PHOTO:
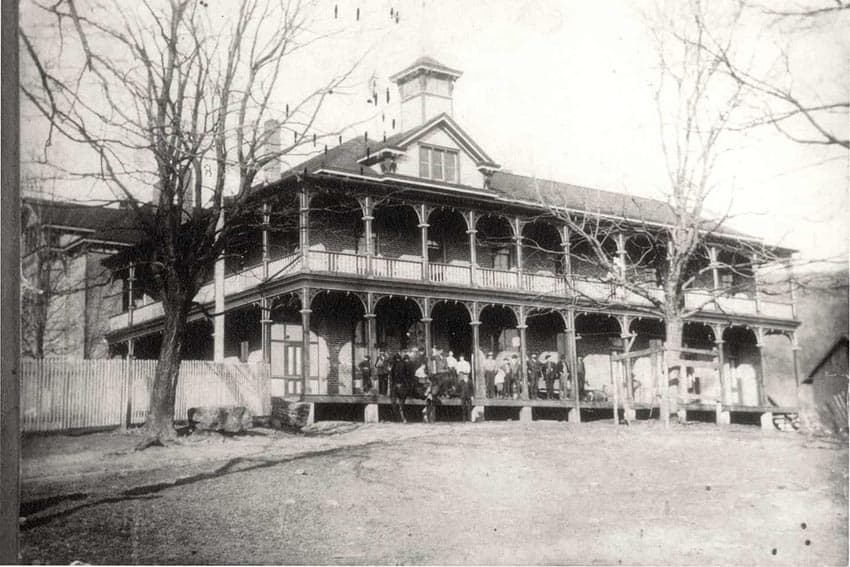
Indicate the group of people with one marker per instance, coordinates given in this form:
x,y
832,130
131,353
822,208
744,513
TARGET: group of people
x,y
502,378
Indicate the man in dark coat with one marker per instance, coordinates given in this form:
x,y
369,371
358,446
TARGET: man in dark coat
x,y
466,398
382,367
365,367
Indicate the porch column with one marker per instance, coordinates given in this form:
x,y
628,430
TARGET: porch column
x,y
371,331
426,322
572,360
760,369
473,253
792,293
131,307
795,348
305,339
565,244
367,227
518,244
715,275
478,381
218,318
265,311
265,329
621,260
756,291
304,227
423,231
523,353
721,362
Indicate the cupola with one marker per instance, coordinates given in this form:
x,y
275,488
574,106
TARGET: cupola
x,y
425,89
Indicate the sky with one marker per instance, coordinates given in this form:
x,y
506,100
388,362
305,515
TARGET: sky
x,y
564,91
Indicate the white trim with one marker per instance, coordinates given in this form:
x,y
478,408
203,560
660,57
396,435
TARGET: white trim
x,y
469,145
457,188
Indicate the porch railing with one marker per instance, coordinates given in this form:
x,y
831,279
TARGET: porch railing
x,y
488,278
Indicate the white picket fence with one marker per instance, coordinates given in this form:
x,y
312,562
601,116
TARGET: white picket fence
x,y
59,394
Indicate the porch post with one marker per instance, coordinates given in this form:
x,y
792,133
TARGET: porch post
x,y
518,244
131,307
760,369
795,348
621,259
523,354
423,231
265,311
478,382
305,340
565,244
721,360
304,227
218,318
473,252
715,275
756,291
572,361
367,223
426,322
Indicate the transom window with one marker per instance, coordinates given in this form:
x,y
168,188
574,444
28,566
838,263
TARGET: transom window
x,y
437,163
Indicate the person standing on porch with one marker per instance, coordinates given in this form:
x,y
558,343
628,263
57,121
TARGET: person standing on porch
x,y
463,368
451,363
490,366
365,367
382,366
514,384
438,361
465,392
550,370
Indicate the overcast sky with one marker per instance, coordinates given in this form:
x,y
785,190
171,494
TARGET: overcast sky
x,y
564,90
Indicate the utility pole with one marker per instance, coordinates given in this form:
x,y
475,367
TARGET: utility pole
x,y
10,289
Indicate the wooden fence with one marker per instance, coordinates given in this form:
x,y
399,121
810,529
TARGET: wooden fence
x,y
59,394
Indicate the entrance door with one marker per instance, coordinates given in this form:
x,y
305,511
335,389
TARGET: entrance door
x,y
286,359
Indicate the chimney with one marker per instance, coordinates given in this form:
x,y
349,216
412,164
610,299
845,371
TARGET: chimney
x,y
425,89
271,142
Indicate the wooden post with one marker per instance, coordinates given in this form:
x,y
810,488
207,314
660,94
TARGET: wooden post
x,y
616,383
572,358
762,393
305,340
304,227
473,252
518,241
367,223
523,355
423,232
218,318
478,382
10,289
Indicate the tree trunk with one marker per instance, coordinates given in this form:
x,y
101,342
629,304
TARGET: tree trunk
x,y
160,420
673,341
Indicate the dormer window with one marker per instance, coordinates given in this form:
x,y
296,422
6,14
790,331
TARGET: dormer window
x,y
438,163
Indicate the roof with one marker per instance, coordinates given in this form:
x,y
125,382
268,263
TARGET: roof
x,y
505,186
841,341
427,64
96,222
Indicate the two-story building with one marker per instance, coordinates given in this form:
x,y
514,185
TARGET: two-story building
x,y
421,239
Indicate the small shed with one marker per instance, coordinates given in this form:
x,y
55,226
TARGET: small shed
x,y
823,394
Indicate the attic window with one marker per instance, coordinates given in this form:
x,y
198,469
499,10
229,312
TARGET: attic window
x,y
437,163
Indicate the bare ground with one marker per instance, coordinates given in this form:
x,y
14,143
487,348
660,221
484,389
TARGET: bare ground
x,y
491,493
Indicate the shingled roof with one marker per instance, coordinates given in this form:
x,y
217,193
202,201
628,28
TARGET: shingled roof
x,y
507,187
96,222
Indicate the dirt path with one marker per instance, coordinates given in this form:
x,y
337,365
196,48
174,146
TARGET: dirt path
x,y
498,493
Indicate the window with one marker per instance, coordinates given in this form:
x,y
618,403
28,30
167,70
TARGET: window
x,y
438,164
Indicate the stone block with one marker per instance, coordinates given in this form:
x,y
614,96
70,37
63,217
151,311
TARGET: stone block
x,y
682,415
291,415
225,419
573,415
724,418
629,414
477,414
370,413
767,421
525,414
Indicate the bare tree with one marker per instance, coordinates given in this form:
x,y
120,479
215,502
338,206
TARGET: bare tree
x,y
804,115
170,96
651,254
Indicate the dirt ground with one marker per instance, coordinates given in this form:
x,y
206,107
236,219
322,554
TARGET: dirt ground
x,y
488,493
